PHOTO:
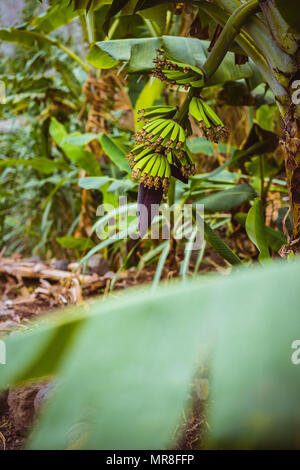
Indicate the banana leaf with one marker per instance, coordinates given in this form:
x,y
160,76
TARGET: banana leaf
x,y
60,13
25,38
124,367
227,199
81,157
106,54
139,53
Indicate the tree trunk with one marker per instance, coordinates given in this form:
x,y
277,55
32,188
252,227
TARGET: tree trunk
x,y
291,149
285,70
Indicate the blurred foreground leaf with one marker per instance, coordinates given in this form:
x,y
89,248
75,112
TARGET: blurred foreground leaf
x,y
124,366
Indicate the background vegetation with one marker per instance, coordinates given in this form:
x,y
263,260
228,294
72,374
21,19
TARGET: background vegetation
x,y
76,77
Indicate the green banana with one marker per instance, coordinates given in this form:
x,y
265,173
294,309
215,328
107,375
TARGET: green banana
x,y
177,75
158,108
154,170
214,118
152,124
203,114
157,178
170,158
167,130
197,83
181,64
156,130
162,167
146,170
137,148
142,155
150,113
140,165
174,135
181,136
168,171
180,73
184,81
194,110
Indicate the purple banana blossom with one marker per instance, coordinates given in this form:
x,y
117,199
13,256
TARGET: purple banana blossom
x,y
149,199
177,174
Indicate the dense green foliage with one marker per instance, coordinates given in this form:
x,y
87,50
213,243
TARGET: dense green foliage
x,y
122,367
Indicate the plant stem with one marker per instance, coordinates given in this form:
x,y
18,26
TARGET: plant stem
x,y
247,43
169,20
113,28
171,192
151,28
230,32
184,108
90,26
262,183
72,55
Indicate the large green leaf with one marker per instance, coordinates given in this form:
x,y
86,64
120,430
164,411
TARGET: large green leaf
x,y
116,6
142,55
115,153
41,164
228,199
141,52
39,352
220,246
28,84
82,158
254,383
94,182
156,14
25,38
124,366
106,54
275,238
60,13
151,92
255,227
195,52
75,243
81,139
201,145
100,59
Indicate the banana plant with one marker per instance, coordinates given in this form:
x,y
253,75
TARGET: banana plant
x,y
264,31
161,151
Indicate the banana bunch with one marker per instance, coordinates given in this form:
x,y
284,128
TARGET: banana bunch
x,y
156,112
161,135
175,72
154,168
160,147
212,126
183,160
